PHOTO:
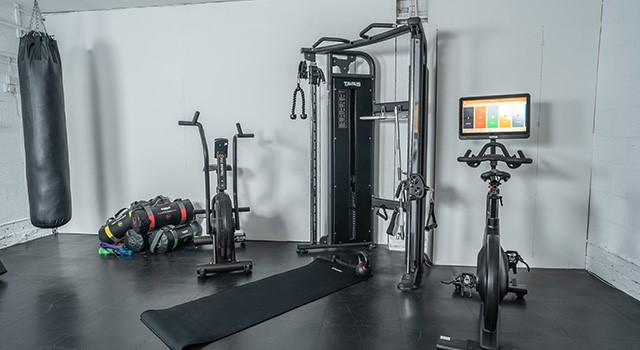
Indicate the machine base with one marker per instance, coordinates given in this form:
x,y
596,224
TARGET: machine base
x,y
411,281
304,248
448,343
210,268
520,290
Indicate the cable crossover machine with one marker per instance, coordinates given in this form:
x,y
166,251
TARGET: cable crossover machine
x,y
353,111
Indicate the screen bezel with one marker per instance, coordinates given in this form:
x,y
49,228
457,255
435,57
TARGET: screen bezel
x,y
490,135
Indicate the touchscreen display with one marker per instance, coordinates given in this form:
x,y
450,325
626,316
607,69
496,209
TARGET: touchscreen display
x,y
500,116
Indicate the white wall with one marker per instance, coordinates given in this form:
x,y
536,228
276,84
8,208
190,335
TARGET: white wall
x,y
15,226
548,49
613,251
131,74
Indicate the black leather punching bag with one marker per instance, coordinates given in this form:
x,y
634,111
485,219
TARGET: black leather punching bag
x,y
45,133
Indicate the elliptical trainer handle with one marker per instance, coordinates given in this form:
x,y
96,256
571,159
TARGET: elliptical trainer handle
x,y
242,134
191,122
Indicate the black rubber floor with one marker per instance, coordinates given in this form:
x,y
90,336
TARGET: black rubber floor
x,y
59,294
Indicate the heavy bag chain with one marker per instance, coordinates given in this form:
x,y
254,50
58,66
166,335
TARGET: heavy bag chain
x,y
37,15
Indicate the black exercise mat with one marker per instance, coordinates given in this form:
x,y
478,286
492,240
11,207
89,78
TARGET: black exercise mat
x,y
216,316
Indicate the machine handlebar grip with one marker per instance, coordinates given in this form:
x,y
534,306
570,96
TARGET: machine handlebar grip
x,y
375,25
191,122
470,159
329,38
242,134
512,162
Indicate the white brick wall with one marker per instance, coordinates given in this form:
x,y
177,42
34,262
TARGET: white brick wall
x,y
14,208
613,245
620,272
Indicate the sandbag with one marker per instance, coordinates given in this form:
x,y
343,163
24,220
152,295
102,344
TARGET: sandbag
x,y
136,242
45,133
172,237
166,239
114,230
150,218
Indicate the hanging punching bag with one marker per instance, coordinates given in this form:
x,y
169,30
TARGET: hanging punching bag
x,y
44,126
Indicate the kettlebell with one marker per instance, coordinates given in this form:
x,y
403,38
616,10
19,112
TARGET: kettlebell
x,y
363,270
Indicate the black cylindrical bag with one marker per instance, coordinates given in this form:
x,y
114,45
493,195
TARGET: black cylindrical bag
x,y
45,133
152,218
136,242
116,227
114,230
171,237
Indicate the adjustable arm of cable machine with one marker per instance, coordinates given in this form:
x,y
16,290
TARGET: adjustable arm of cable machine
x,y
346,45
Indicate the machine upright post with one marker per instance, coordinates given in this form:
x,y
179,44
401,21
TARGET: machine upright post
x,y
415,217
313,220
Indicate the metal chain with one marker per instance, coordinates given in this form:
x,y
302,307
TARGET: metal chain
x,y
37,15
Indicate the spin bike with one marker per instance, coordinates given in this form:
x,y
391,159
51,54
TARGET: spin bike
x,y
222,217
493,262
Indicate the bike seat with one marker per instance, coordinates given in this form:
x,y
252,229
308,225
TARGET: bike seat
x,y
498,174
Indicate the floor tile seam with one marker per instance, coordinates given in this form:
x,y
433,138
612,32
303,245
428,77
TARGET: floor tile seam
x,y
625,317
565,335
542,302
617,305
436,324
635,340
550,316
360,325
573,335
405,338
316,341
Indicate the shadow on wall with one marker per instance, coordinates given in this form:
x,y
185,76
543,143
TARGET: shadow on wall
x,y
106,130
266,192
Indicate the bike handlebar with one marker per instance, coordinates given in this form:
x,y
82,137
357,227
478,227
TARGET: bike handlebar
x,y
242,134
512,161
191,122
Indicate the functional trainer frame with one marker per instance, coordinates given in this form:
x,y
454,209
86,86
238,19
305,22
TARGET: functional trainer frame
x,y
412,206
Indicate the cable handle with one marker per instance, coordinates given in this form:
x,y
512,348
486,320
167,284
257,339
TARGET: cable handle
x,y
303,73
293,115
